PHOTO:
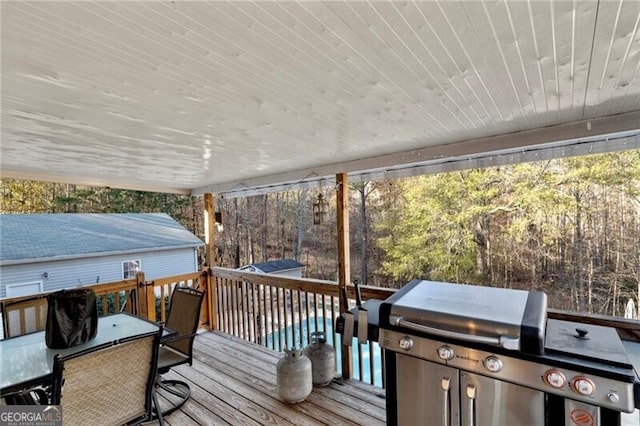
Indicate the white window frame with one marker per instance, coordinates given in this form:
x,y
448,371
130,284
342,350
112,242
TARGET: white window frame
x,y
126,262
24,284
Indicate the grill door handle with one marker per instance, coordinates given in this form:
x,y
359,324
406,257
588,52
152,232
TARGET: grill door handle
x,y
505,342
471,395
446,404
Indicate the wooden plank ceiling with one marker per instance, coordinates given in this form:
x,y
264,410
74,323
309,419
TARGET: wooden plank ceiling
x,y
225,96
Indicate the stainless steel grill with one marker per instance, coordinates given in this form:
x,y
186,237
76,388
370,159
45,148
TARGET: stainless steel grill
x,y
470,355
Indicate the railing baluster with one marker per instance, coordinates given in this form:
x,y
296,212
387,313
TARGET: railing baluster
x,y
285,315
236,308
222,301
372,367
279,321
294,324
265,314
23,320
333,321
230,309
250,313
105,304
228,287
272,320
242,323
307,307
300,321
360,363
315,311
217,287
324,316
163,313
255,315
116,301
247,310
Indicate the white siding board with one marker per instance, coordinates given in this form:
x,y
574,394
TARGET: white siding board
x,y
390,76
462,44
630,70
534,47
408,48
619,39
422,43
76,272
485,61
443,50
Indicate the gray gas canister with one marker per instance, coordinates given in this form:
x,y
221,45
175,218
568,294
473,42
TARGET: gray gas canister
x,y
294,376
323,359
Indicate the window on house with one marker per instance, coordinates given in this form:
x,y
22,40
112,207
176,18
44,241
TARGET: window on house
x,y
130,268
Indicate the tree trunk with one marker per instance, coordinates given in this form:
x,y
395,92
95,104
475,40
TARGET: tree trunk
x,y
578,254
236,247
265,229
364,272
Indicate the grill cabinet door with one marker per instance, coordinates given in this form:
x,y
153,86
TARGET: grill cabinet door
x,y
428,393
488,402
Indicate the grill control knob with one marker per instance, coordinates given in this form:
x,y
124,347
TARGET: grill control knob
x,y
613,397
583,386
445,353
555,379
493,364
406,343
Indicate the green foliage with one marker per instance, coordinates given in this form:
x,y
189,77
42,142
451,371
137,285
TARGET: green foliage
x,y
111,302
562,226
43,197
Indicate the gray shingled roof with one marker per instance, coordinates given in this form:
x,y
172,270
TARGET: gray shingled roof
x,y
277,265
38,236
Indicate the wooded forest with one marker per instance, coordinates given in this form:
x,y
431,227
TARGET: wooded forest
x,y
569,227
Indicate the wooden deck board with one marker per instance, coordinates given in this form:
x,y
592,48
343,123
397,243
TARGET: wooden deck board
x,y
234,382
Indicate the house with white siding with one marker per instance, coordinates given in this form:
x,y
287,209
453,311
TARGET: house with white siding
x,y
45,252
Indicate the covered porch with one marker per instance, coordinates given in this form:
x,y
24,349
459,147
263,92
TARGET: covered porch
x,y
242,98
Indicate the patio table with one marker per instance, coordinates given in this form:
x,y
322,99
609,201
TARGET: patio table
x,y
26,361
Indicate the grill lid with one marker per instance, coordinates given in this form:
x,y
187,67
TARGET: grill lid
x,y
586,341
512,319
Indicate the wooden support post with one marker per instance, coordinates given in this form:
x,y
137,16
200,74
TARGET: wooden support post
x,y
146,298
209,230
344,263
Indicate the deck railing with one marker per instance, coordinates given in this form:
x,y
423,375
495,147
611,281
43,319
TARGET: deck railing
x,y
282,312
274,311
136,296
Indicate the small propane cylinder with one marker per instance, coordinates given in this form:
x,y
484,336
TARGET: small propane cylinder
x,y
294,376
323,359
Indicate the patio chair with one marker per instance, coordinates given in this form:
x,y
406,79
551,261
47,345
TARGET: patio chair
x,y
111,384
177,349
23,316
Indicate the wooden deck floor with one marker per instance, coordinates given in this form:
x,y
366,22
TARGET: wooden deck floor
x,y
234,382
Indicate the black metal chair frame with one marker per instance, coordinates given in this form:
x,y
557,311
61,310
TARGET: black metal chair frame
x,y
169,356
